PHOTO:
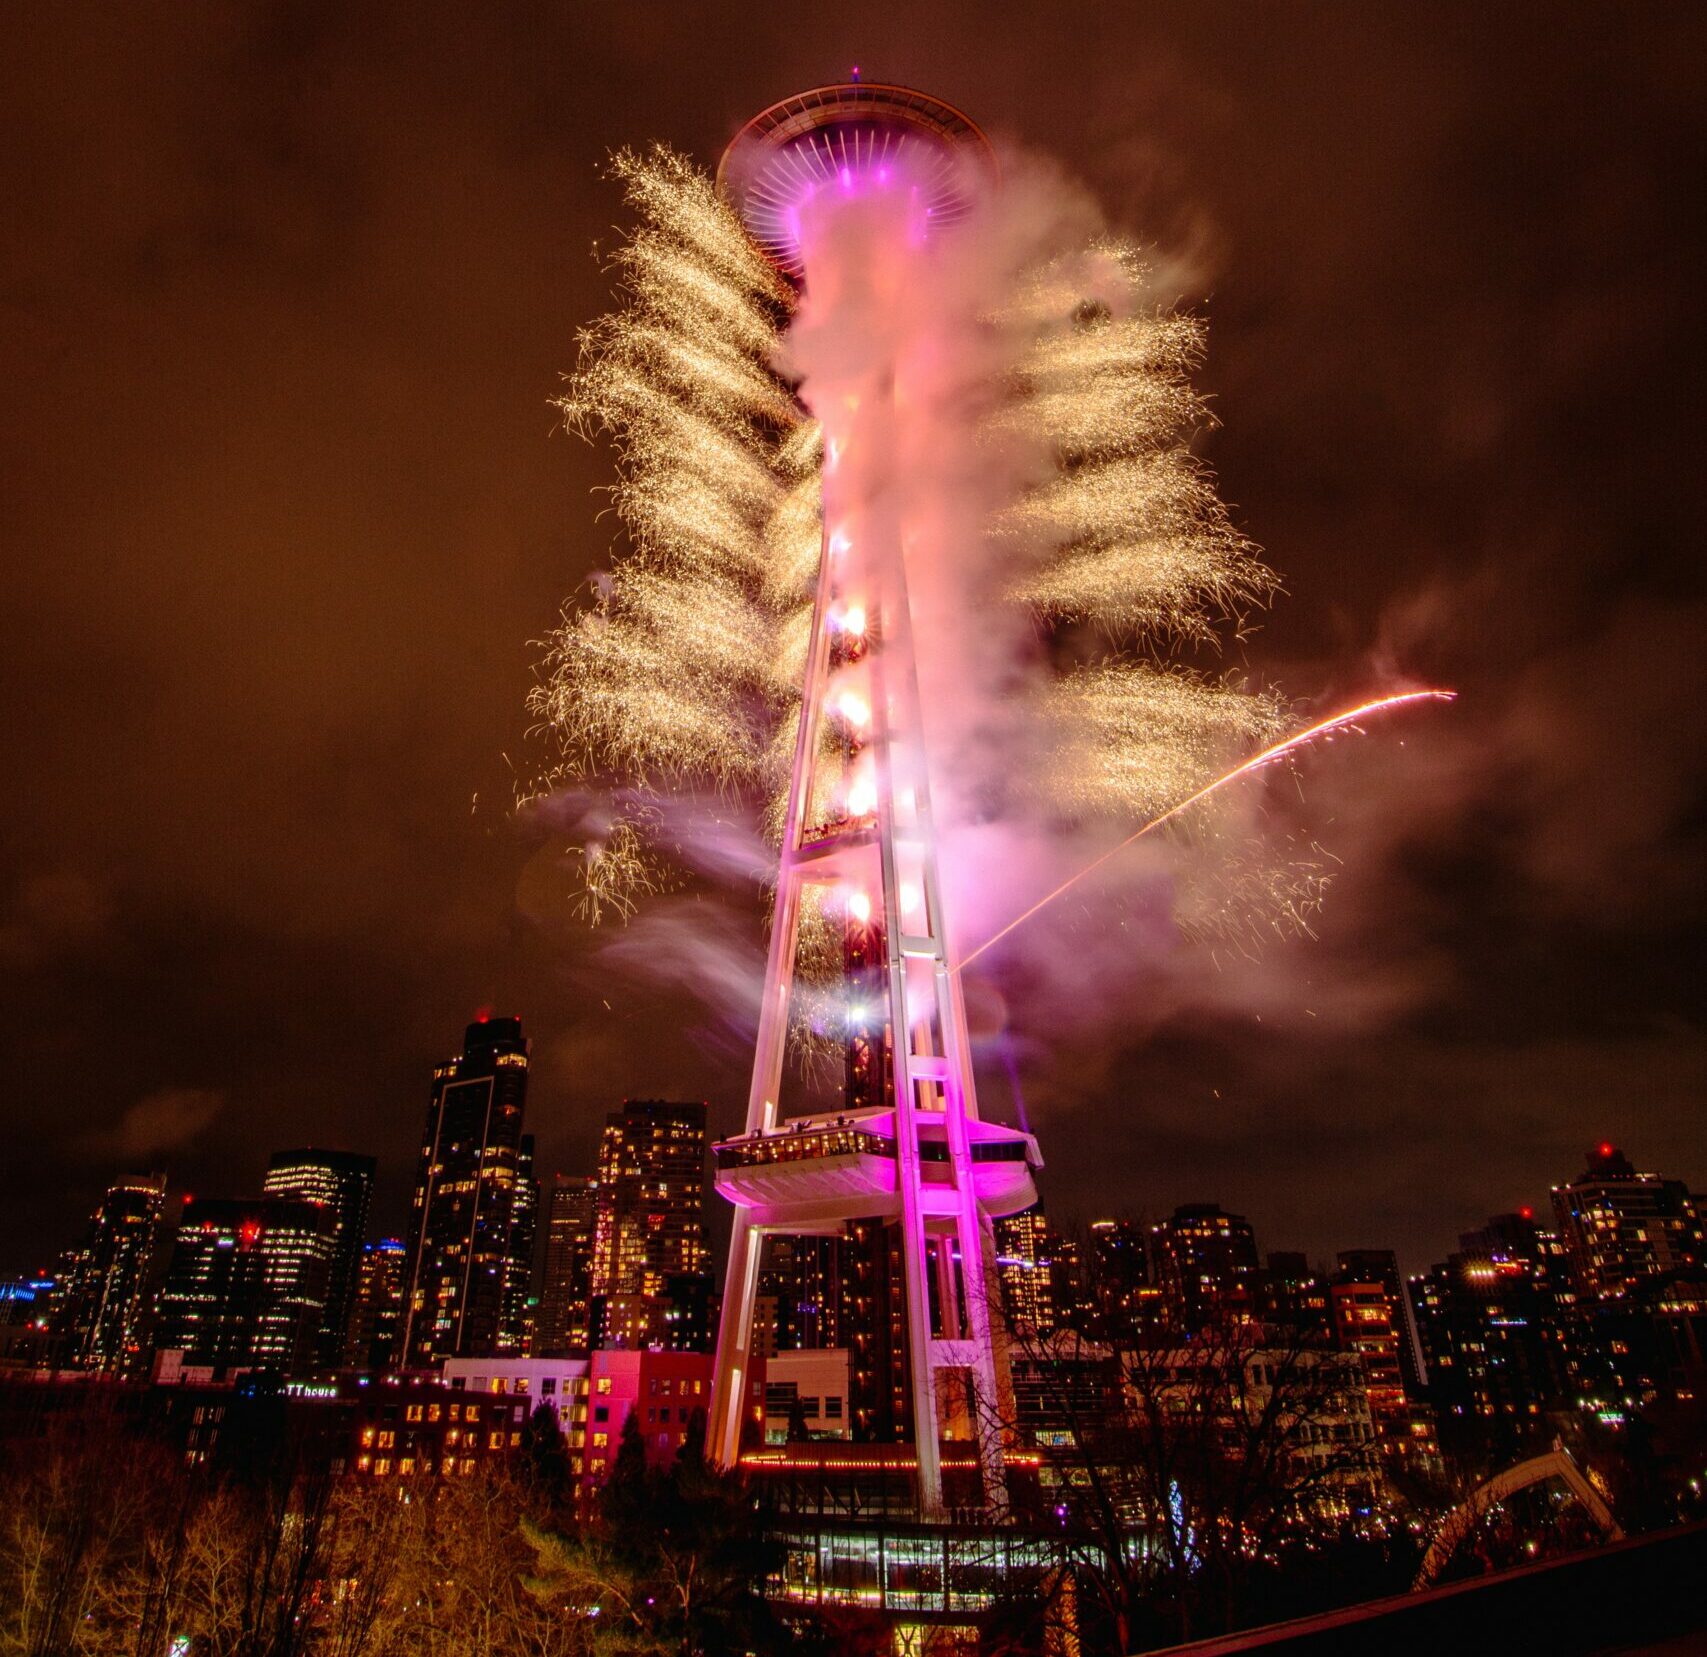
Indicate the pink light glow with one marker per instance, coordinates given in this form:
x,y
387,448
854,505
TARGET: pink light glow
x,y
862,795
853,708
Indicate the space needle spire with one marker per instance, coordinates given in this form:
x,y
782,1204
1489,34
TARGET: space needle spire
x,y
906,1159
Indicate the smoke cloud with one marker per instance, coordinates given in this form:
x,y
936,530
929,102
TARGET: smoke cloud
x,y
937,325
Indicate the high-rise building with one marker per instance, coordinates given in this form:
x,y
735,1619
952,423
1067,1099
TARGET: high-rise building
x,y
1206,1265
341,1183
872,1316
374,1340
1121,1299
1382,1266
470,1235
106,1300
1370,1318
1364,1323
520,1302
800,1300
1069,1279
246,1284
649,1256
563,1322
1291,1296
1621,1227
1493,1321
1024,1269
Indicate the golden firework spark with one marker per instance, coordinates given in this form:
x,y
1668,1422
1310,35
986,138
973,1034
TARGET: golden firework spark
x,y
618,870
1137,739
678,675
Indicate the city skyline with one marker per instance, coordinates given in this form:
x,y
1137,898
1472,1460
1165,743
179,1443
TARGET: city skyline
x,y
1666,1196
1518,1324
38,1254
245,900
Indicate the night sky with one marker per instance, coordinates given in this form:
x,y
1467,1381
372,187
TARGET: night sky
x,y
286,292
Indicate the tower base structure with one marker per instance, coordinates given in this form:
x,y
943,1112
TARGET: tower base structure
x,y
833,1175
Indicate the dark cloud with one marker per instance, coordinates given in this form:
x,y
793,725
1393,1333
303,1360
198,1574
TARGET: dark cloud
x,y
285,296
164,1123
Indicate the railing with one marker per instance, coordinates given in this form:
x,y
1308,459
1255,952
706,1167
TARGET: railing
x,y
811,1145
814,1144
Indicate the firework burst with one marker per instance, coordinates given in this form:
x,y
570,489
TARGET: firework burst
x,y
683,677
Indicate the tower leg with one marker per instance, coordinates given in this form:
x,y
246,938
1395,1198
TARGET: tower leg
x,y
921,1372
734,1343
991,1405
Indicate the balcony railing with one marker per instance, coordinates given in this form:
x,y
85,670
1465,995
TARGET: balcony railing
x,y
812,1145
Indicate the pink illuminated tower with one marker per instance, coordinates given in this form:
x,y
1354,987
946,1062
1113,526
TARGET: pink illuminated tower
x,y
905,1149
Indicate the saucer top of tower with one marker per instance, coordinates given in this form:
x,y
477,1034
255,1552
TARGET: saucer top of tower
x,y
849,137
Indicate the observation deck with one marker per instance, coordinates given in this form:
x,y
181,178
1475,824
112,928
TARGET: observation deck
x,y
815,1172
851,138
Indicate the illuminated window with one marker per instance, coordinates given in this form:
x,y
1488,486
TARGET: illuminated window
x,y
604,1384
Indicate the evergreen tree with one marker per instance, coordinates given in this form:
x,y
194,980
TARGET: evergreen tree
x,y
545,1460
674,1561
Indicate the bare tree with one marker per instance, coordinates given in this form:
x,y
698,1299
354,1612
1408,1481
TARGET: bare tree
x,y
1243,1433
1174,1469
75,1506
